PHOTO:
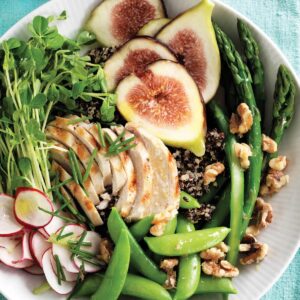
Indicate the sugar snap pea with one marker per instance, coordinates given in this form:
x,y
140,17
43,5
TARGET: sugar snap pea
x,y
189,266
115,275
140,229
170,227
134,286
209,284
138,258
187,201
187,243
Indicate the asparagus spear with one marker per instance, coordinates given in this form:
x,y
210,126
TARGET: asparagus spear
x,y
242,81
254,63
283,108
237,183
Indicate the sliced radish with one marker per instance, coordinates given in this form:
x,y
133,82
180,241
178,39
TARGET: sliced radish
x,y
69,276
12,255
55,224
28,205
8,224
38,246
64,287
26,253
93,238
43,232
63,252
34,270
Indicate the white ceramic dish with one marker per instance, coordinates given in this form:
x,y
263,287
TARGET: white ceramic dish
x,y
282,236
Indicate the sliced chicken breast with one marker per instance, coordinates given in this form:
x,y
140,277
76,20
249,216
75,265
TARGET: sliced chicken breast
x,y
70,141
77,192
128,192
79,131
67,196
118,174
60,155
165,196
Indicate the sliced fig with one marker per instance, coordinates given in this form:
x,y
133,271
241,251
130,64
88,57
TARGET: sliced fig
x,y
133,57
166,101
191,36
114,22
153,27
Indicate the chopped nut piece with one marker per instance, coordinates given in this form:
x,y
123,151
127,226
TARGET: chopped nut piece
x,y
264,213
247,242
244,247
221,269
223,247
242,122
170,282
168,265
279,163
252,230
213,254
243,151
257,254
105,250
212,171
276,180
268,145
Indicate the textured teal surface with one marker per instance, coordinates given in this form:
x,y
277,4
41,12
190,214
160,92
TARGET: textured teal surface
x,y
280,19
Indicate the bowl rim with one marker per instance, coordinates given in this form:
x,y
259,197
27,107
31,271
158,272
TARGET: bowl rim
x,y
260,32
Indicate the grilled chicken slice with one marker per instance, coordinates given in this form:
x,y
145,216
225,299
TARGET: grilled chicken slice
x,y
67,196
118,174
164,202
60,154
79,131
70,141
128,192
77,192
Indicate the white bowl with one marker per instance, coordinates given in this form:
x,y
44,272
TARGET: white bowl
x,y
282,236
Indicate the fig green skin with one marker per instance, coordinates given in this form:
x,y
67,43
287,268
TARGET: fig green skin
x,y
140,229
115,275
134,286
189,267
187,201
139,260
187,243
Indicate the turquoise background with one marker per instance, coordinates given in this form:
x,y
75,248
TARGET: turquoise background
x,y
280,19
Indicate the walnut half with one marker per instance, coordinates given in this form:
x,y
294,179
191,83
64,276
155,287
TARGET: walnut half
x,y
168,265
241,122
219,269
268,145
212,171
256,254
243,152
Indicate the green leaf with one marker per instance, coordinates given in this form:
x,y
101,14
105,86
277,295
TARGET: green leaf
x,y
40,25
19,181
107,111
38,101
55,42
78,88
8,105
53,93
85,38
13,43
24,164
62,16
34,130
25,93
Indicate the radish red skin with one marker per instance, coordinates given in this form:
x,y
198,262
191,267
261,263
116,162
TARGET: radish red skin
x,y
45,198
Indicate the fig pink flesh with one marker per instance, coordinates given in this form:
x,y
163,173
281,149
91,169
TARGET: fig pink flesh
x,y
160,100
129,16
189,50
136,62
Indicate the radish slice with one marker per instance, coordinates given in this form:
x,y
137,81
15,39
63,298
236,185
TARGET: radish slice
x,y
8,224
28,205
69,276
38,246
55,224
93,238
12,254
34,270
64,287
26,254
43,232
63,253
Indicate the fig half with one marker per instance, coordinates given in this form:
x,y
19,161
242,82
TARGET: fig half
x,y
166,101
116,21
192,38
133,57
153,27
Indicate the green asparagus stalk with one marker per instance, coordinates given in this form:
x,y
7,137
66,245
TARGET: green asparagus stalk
x,y
254,63
243,83
283,108
237,183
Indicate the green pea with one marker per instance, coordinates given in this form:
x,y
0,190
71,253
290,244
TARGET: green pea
x,y
187,243
189,267
140,229
187,201
140,261
115,275
209,284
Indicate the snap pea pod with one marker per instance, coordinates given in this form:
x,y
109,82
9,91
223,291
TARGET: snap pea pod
x,y
140,229
213,190
209,284
222,210
189,267
140,261
116,272
134,286
171,226
237,183
187,201
187,243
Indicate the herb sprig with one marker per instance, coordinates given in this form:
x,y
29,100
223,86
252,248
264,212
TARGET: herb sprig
x,y
119,145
